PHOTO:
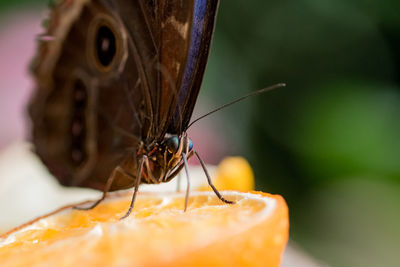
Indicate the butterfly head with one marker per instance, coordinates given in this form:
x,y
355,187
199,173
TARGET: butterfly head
x,y
175,144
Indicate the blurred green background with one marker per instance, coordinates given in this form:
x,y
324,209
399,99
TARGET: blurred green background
x,y
330,141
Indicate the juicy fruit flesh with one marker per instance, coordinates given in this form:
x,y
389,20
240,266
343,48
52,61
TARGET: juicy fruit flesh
x,y
157,231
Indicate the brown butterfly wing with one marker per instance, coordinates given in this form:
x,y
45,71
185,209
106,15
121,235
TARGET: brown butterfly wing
x,y
202,29
88,114
183,30
92,107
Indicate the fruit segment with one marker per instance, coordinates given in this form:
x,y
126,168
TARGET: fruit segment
x,y
252,232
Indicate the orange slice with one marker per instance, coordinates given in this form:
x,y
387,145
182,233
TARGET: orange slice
x,y
252,232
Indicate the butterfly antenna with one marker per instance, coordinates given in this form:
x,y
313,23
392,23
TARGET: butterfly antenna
x,y
261,91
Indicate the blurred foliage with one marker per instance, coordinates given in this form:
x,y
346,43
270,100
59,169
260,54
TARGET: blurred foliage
x,y
329,141
6,5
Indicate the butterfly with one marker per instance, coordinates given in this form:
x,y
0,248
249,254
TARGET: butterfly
x,y
116,84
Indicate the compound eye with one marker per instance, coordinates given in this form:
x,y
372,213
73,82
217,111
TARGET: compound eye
x,y
173,144
190,145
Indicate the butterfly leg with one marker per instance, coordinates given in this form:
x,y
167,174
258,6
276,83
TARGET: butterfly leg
x,y
178,183
105,191
185,162
210,182
177,169
150,174
138,180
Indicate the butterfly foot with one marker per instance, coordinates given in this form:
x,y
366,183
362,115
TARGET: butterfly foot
x,y
227,201
89,207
